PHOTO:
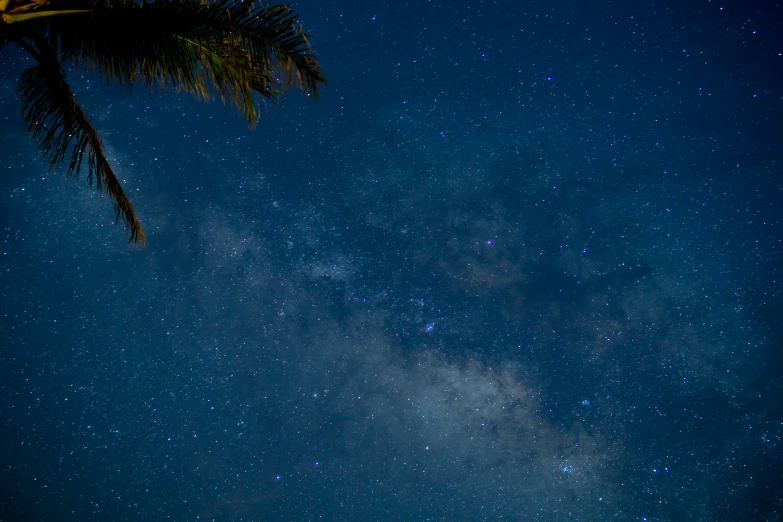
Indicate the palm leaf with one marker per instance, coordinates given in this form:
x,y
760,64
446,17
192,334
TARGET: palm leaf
x,y
55,119
226,48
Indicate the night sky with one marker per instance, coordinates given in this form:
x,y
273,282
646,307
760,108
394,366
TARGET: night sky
x,y
519,261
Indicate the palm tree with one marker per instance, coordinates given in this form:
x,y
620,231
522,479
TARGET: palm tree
x,y
225,48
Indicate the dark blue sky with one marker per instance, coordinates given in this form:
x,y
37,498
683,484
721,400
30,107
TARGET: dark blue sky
x,y
519,261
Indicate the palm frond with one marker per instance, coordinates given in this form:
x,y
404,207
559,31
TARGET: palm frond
x,y
226,48
55,119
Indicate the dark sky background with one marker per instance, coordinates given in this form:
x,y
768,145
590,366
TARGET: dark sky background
x,y
519,261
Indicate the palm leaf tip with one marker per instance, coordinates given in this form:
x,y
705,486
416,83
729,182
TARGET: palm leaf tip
x,y
55,119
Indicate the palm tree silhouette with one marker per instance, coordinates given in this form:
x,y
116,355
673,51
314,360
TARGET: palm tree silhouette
x,y
225,48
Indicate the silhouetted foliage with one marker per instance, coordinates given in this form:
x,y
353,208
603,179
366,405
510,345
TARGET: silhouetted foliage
x,y
223,48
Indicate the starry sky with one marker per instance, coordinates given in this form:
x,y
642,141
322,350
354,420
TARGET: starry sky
x,y
518,261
